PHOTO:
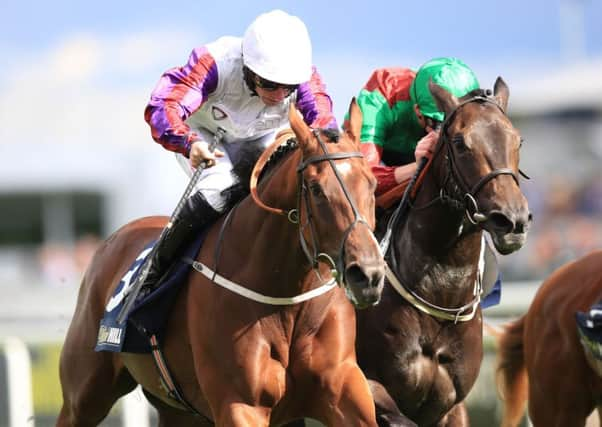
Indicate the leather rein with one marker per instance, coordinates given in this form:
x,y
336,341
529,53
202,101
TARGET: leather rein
x,y
469,204
310,249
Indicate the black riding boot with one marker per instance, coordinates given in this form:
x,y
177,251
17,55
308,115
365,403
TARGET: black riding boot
x,y
195,215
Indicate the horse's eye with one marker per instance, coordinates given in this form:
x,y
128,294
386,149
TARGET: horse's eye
x,y
316,189
458,141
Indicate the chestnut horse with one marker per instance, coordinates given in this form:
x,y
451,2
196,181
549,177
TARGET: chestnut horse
x,y
540,357
239,361
421,348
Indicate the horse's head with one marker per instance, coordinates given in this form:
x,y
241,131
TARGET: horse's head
x,y
482,150
336,205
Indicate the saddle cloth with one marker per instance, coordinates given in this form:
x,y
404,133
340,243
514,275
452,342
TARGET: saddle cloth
x,y
148,315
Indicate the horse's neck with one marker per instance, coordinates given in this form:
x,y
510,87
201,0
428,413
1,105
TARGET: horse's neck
x,y
437,252
267,244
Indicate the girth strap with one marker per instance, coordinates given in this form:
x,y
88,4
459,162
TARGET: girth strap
x,y
173,391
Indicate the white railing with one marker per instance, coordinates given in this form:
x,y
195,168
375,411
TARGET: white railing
x,y
135,410
18,375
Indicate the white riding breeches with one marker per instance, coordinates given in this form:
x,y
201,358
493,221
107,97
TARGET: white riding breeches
x,y
219,177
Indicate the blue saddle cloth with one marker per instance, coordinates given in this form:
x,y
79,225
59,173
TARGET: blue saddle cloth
x,y
491,278
495,295
589,326
148,315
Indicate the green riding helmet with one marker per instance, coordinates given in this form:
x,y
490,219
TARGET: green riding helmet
x,y
450,73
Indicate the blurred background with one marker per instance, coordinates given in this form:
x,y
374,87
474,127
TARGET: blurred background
x,y
77,160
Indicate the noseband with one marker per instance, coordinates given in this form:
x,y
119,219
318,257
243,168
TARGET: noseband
x,y
313,255
470,201
467,311
473,214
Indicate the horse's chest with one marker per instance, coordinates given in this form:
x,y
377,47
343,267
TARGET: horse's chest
x,y
434,358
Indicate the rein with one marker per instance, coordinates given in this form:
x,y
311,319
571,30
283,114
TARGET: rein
x,y
470,192
469,203
293,215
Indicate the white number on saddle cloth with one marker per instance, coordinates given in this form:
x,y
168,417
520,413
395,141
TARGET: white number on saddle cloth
x,y
126,281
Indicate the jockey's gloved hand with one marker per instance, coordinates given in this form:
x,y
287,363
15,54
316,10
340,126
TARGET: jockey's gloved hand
x,y
426,145
199,151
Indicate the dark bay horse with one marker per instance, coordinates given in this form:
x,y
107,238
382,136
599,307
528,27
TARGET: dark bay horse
x,y
421,348
540,357
238,361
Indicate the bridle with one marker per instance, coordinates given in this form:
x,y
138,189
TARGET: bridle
x,y
468,203
473,213
310,249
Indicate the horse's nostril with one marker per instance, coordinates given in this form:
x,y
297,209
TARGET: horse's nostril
x,y
501,222
355,274
365,276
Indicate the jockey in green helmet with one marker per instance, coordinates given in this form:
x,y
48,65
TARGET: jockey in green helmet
x,y
400,116
401,119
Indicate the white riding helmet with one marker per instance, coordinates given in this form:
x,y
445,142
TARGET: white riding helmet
x,y
276,47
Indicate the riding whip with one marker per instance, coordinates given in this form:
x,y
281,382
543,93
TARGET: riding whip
x,y
133,291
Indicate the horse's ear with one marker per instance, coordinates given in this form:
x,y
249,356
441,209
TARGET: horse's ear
x,y
302,131
501,93
445,100
353,126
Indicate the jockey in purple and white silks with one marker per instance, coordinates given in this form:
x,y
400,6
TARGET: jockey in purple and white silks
x,y
243,87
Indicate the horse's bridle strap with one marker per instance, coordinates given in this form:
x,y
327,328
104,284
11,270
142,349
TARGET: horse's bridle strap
x,y
256,296
328,156
484,180
433,310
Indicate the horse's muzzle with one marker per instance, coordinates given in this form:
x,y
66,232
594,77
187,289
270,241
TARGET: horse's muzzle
x,y
364,283
508,229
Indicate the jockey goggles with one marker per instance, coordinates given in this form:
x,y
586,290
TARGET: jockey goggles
x,y
271,86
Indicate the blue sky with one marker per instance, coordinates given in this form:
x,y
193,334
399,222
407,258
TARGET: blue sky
x,y
84,70
468,28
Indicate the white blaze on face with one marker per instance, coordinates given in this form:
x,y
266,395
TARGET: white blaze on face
x,y
344,168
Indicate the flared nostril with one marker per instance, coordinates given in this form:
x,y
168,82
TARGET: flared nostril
x,y
355,274
365,276
501,222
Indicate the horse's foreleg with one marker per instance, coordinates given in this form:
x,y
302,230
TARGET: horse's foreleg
x,y
456,417
234,413
345,398
388,413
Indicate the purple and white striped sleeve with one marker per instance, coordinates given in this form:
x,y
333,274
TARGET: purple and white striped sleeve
x,y
180,92
315,104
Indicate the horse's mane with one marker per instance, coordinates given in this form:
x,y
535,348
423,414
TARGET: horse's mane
x,y
249,154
